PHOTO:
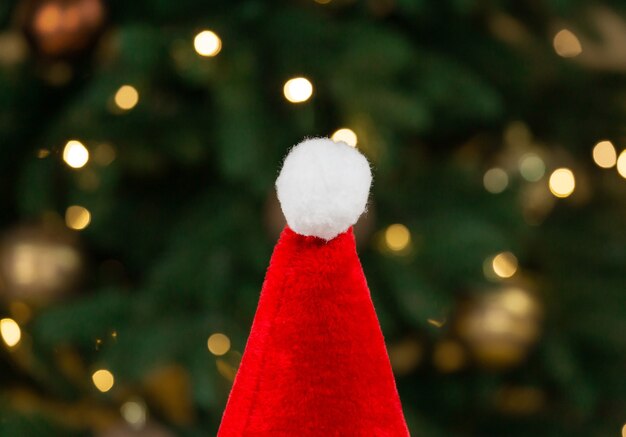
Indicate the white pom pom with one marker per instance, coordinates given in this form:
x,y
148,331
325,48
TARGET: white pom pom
x,y
323,187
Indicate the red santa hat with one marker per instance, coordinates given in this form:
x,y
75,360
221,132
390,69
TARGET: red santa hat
x,y
315,363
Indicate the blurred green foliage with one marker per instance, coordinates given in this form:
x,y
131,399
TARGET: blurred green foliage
x,y
429,87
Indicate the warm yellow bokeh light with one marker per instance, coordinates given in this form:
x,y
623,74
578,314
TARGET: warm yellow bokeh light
x,y
298,90
75,154
218,344
449,356
345,135
103,380
495,180
518,302
103,154
604,154
562,182
10,331
566,44
77,217
624,430
207,43
621,164
504,264
397,237
134,412
532,167
126,97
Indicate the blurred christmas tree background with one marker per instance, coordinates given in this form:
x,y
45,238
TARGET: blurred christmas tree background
x,y
140,141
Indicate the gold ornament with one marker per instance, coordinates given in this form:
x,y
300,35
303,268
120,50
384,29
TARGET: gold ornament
x,y
38,263
500,326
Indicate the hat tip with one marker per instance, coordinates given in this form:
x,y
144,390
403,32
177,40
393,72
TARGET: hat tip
x,y
323,187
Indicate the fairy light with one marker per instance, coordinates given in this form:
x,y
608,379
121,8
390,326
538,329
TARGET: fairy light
x,y
207,43
566,44
77,217
397,237
103,380
562,182
126,97
134,412
345,135
532,167
504,264
218,344
604,154
75,154
495,180
10,332
621,164
298,90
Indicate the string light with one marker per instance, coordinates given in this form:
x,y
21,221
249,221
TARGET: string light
x,y
562,182
126,97
10,331
218,344
207,43
77,217
532,167
504,264
75,154
104,154
604,154
298,90
103,380
345,135
495,180
518,302
621,164
397,237
134,412
566,44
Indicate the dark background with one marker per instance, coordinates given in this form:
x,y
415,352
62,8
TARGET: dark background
x,y
502,304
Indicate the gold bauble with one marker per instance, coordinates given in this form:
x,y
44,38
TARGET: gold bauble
x,y
38,263
499,326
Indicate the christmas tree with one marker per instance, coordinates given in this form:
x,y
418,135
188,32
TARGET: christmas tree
x,y
140,146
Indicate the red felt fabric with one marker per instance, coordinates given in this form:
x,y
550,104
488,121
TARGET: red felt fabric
x,y
315,363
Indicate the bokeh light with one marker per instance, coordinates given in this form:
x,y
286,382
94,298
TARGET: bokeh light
x,y
532,167
562,182
207,43
77,217
621,164
345,135
449,356
126,97
397,237
495,180
604,154
10,331
103,380
75,154
504,264
566,44
298,90
218,344
134,413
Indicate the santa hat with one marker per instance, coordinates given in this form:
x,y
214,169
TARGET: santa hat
x,y
315,363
